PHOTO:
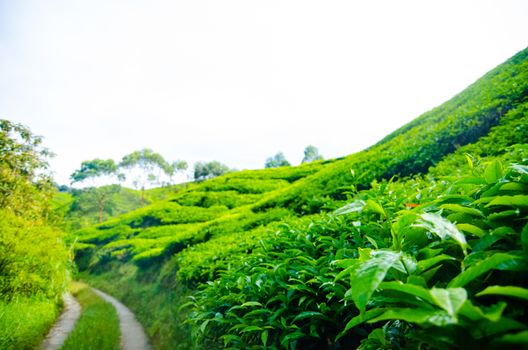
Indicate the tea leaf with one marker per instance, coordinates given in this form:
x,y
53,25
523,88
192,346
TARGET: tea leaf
x,y
511,291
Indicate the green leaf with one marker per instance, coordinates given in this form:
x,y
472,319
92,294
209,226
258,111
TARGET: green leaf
x,y
414,315
512,201
524,238
485,242
264,337
492,313
203,325
457,208
442,228
450,299
251,303
251,329
514,186
493,172
289,338
517,338
309,314
512,291
469,160
474,230
426,264
499,261
411,289
369,274
360,319
471,181
503,214
501,326
375,207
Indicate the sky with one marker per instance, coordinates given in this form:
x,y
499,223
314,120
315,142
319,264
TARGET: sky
x,y
239,80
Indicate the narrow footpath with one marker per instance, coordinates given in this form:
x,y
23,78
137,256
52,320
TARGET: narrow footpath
x,y
133,336
64,325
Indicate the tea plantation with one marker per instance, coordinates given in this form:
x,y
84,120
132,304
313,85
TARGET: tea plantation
x,y
419,242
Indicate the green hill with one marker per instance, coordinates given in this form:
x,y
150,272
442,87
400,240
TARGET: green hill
x,y
425,249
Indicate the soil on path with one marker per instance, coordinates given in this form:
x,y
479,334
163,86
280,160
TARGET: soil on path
x,y
133,336
64,325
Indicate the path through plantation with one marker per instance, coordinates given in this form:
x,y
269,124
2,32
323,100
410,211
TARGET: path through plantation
x,y
64,325
133,336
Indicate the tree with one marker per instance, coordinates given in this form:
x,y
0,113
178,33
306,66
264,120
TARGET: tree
x,y
276,161
208,170
91,171
25,185
311,153
175,167
146,166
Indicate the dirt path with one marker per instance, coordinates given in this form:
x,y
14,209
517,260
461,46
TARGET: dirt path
x,y
64,325
133,336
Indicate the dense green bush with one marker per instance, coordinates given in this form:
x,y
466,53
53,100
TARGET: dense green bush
x,y
164,213
205,199
382,276
32,258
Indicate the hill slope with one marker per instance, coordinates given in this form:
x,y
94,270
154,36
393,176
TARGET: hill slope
x,y
280,267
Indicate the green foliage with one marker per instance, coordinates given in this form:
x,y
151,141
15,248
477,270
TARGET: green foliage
x,y
146,166
25,185
276,161
394,264
207,199
79,209
25,321
94,168
97,197
208,170
243,185
33,259
98,326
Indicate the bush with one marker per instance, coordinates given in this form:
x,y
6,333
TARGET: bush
x,y
33,259
384,271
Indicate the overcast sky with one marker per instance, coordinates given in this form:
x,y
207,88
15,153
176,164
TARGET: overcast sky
x,y
237,81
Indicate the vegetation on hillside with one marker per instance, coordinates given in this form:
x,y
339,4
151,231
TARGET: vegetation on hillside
x,y
416,242
419,242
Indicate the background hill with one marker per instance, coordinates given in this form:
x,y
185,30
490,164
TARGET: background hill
x,y
429,231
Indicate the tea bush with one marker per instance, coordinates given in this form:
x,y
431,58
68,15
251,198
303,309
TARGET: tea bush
x,y
381,275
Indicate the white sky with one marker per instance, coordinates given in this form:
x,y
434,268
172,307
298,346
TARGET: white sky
x,y
237,81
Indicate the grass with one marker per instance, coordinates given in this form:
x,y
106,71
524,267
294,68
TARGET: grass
x,y
24,322
98,326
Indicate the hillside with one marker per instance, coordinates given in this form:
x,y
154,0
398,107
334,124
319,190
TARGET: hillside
x,y
390,247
